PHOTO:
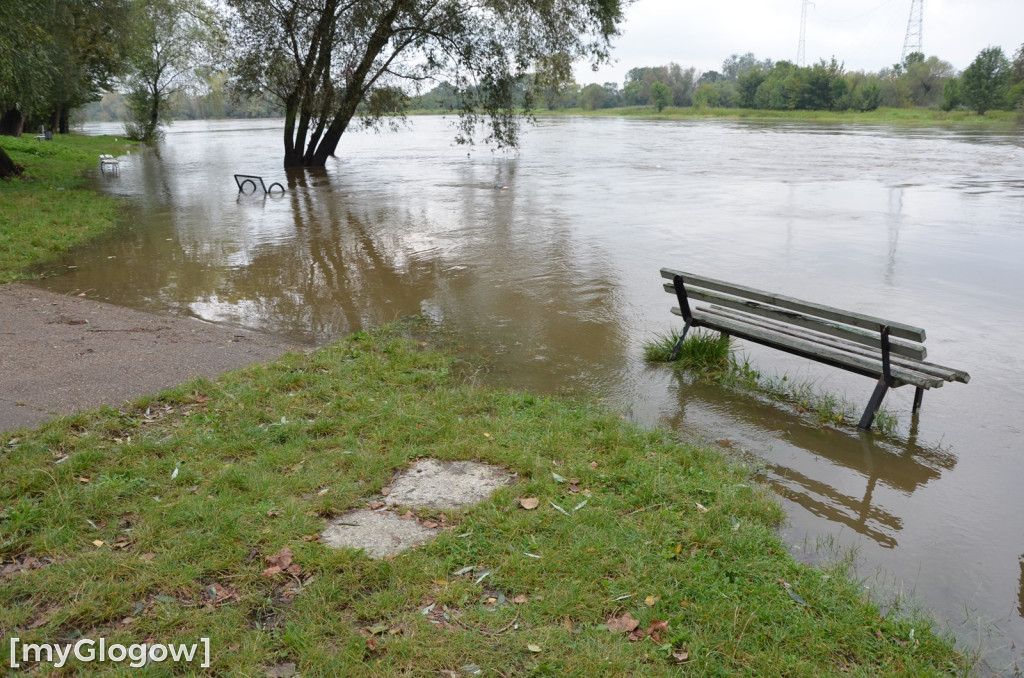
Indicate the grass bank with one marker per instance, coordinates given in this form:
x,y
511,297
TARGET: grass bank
x,y
881,116
154,521
50,209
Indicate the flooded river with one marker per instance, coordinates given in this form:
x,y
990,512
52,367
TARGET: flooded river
x,y
555,278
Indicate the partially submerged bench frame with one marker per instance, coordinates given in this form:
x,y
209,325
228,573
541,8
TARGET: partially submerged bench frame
x,y
244,180
891,352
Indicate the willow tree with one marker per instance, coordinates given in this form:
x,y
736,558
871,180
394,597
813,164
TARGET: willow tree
x,y
329,61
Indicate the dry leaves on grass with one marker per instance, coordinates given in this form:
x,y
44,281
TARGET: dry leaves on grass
x,y
623,624
626,624
22,564
529,503
281,562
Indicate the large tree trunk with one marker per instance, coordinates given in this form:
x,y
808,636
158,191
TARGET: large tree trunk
x,y
11,122
7,166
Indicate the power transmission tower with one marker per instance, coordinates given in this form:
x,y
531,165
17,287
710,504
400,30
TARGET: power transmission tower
x,y
915,30
801,50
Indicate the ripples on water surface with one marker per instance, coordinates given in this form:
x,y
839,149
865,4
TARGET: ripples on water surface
x,y
557,278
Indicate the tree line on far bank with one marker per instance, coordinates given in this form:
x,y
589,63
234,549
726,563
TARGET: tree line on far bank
x,y
327,66
991,82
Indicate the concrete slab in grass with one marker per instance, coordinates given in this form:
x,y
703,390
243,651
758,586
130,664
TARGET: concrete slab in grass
x,y
379,533
430,483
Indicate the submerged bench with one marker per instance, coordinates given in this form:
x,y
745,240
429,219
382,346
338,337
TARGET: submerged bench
x,y
891,352
246,180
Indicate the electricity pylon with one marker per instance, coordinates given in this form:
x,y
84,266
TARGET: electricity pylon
x,y
915,30
801,50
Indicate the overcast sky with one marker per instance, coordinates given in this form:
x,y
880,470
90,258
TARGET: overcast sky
x,y
865,34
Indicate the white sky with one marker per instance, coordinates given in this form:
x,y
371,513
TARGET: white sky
x,y
864,34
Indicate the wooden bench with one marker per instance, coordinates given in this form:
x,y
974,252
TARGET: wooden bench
x,y
891,352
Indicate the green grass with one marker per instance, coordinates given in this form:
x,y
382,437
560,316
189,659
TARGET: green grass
x,y
701,351
50,209
710,356
669,533
881,116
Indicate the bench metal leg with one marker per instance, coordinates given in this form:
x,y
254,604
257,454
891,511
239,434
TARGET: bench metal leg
x,y
918,396
881,388
679,341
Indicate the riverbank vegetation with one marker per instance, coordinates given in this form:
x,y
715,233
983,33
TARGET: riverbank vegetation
x,y
712,356
157,521
49,208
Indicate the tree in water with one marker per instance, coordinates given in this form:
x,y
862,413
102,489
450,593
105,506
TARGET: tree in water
x,y
176,42
324,59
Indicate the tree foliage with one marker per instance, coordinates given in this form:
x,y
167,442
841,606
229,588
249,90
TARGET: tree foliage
x,y
178,43
56,56
639,81
661,96
324,59
985,82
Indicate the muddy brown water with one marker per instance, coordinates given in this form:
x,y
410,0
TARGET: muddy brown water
x,y
548,261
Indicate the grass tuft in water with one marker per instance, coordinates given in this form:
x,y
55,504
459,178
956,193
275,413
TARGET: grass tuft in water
x,y
700,352
710,356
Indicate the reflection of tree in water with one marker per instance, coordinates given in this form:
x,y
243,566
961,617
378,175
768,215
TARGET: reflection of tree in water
x,y
1020,589
855,461
356,252
344,266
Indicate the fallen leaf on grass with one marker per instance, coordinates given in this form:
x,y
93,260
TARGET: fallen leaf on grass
x,y
529,503
97,543
656,629
279,562
623,624
558,478
649,601
533,648
796,597
681,655
558,508
520,599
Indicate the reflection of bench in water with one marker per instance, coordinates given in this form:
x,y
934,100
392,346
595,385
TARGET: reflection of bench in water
x,y
845,479
248,183
891,352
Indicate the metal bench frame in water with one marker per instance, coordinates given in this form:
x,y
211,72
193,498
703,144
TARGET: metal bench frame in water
x,y
244,180
891,352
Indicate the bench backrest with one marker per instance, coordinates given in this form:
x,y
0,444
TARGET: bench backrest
x,y
780,311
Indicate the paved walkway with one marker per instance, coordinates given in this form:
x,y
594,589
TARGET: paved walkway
x,y
60,354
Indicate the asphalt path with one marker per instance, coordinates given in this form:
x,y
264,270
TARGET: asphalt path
x,y
60,354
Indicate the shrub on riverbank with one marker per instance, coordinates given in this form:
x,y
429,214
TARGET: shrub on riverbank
x,y
642,556
49,209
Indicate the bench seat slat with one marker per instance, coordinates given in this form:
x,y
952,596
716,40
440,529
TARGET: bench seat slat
x,y
946,373
861,320
809,349
870,338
